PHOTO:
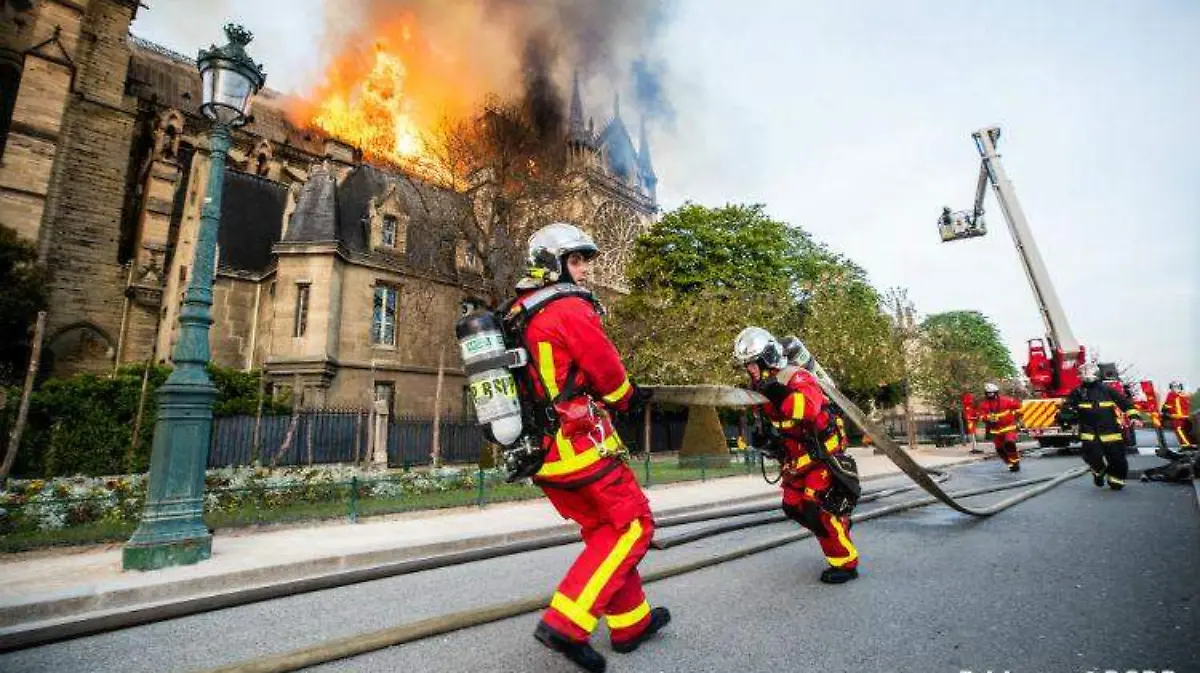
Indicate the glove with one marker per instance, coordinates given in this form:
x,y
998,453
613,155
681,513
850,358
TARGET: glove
x,y
768,442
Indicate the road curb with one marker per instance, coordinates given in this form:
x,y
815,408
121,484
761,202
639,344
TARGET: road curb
x,y
90,612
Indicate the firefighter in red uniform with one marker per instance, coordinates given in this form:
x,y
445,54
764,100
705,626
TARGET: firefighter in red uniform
x,y
803,435
1177,410
1000,413
578,378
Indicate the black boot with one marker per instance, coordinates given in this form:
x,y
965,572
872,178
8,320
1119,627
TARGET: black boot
x,y
659,617
834,575
1098,479
1015,467
583,654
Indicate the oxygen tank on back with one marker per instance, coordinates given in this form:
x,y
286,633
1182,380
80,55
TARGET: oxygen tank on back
x,y
493,389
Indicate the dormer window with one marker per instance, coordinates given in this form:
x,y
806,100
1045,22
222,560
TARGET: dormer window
x,y
388,233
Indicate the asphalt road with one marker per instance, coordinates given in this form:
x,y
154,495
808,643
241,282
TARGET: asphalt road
x,y
1078,579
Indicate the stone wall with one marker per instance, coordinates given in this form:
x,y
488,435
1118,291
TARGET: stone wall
x,y
80,229
235,313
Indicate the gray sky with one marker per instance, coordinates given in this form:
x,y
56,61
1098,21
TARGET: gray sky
x,y
855,123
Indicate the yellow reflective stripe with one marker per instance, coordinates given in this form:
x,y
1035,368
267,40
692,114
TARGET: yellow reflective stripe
x,y
566,450
573,612
1087,437
1114,480
1182,436
546,368
628,619
578,461
1114,437
797,405
802,461
608,567
1108,404
618,393
833,443
1007,428
841,533
783,425
1086,405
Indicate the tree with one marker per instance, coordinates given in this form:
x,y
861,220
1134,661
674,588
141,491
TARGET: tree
x,y
701,275
510,161
23,286
734,247
961,350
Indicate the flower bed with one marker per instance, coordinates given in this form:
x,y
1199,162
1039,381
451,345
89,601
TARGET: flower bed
x,y
65,502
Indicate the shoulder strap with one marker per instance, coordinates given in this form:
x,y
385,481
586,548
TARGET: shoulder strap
x,y
785,375
522,310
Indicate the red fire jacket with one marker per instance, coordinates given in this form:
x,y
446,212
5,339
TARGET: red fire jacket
x,y
570,352
799,413
1000,414
1177,407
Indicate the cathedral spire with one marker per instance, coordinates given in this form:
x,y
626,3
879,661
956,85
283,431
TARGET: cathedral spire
x,y
644,164
575,126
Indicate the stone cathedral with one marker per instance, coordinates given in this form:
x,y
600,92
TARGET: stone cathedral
x,y
339,279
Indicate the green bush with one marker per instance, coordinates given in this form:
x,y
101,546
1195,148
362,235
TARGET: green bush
x,y
84,424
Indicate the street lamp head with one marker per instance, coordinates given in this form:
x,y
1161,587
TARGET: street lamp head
x,y
229,78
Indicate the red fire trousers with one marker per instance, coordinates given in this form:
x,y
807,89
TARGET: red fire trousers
x,y
615,521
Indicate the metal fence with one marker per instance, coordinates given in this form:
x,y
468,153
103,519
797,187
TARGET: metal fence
x,y
325,436
314,437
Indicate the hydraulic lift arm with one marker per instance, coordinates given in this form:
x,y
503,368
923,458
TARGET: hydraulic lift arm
x,y
1058,330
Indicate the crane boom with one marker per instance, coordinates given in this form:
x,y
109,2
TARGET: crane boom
x,y
1058,330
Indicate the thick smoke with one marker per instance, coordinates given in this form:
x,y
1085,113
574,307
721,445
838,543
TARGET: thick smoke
x,y
532,46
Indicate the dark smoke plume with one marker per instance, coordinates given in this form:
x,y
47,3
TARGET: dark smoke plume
x,y
532,46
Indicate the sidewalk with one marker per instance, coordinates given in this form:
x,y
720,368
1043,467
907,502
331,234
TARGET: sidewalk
x,y
41,585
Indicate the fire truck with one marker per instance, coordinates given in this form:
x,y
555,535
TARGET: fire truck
x,y
1053,361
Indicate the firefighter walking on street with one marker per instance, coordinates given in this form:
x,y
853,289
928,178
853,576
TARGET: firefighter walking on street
x,y
820,482
1000,413
1177,410
1099,410
578,379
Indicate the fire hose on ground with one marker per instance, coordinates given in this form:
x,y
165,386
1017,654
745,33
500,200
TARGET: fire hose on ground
x,y
342,648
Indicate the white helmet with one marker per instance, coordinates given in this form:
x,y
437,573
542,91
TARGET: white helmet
x,y
991,389
1177,386
755,344
548,249
1089,372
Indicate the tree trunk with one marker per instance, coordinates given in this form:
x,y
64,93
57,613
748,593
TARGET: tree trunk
x,y
14,439
291,429
910,426
256,442
131,455
436,449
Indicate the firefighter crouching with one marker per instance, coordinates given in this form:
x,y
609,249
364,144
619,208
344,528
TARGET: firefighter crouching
x,y
1098,409
578,378
1000,413
1177,410
820,482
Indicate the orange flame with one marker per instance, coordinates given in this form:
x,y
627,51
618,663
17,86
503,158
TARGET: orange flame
x,y
389,97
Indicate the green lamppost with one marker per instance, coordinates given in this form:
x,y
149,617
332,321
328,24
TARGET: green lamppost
x,y
172,530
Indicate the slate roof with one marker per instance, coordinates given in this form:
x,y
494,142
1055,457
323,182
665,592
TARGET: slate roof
x,y
251,219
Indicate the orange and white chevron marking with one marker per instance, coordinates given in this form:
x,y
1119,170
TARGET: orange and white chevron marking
x,y
1040,413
